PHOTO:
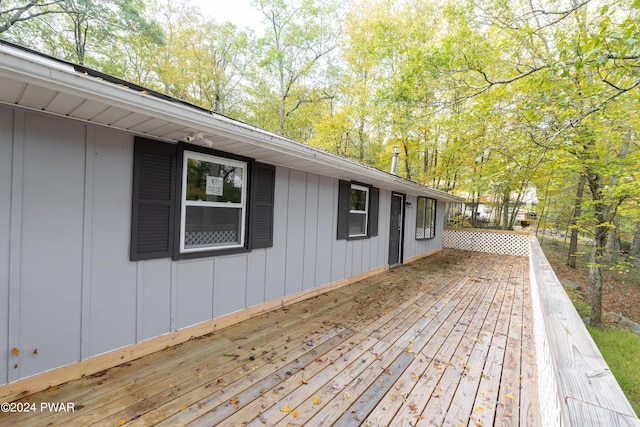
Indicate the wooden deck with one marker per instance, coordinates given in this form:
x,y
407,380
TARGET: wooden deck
x,y
446,340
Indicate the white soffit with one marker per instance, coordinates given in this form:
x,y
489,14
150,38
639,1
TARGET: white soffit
x,y
37,82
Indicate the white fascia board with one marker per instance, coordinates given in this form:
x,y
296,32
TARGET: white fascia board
x,y
41,71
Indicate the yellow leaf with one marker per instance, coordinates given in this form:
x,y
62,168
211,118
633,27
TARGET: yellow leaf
x,y
184,408
316,400
346,395
412,342
285,409
479,408
15,351
122,421
304,381
409,350
509,396
436,394
295,413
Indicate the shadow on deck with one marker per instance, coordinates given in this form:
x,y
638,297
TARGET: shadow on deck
x,y
446,340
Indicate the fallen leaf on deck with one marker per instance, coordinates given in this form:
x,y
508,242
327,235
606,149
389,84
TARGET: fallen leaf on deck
x,y
122,421
479,409
15,351
316,400
295,413
436,394
509,396
285,409
476,421
507,413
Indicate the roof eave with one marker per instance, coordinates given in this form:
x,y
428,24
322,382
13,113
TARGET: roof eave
x,y
60,76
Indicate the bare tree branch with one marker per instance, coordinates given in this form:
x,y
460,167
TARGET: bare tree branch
x,y
10,17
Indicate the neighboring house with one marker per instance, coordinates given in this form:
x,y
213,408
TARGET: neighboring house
x,y
130,220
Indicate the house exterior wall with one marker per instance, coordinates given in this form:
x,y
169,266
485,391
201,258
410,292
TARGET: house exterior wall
x,y
68,290
413,247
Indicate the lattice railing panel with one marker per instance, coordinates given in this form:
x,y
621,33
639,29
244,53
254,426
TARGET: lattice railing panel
x,y
507,243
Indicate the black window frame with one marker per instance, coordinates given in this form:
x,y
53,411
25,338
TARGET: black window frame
x,y
166,162
344,210
421,222
244,246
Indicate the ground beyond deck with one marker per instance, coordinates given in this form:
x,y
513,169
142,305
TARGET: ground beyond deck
x,y
446,340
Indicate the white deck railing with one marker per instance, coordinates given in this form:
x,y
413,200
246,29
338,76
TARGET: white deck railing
x,y
569,362
576,387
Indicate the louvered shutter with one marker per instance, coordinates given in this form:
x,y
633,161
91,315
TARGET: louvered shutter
x,y
344,205
154,200
374,208
261,209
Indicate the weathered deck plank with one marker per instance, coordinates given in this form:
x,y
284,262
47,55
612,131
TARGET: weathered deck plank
x,y
423,344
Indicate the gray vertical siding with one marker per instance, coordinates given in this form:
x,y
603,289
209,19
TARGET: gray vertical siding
x,y
106,227
6,171
67,286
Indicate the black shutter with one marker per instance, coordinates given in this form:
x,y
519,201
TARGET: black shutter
x,y
344,206
154,200
374,208
261,209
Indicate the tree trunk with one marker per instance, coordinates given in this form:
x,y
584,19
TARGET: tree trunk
x,y
613,245
577,211
595,284
505,210
634,250
406,159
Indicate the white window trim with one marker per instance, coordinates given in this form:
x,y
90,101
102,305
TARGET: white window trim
x,y
184,203
365,212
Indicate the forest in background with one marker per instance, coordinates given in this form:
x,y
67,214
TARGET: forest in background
x,y
485,98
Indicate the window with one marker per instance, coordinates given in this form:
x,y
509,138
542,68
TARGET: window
x,y
213,202
358,211
426,219
193,202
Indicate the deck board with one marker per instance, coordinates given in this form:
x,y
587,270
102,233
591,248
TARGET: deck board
x,y
446,340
